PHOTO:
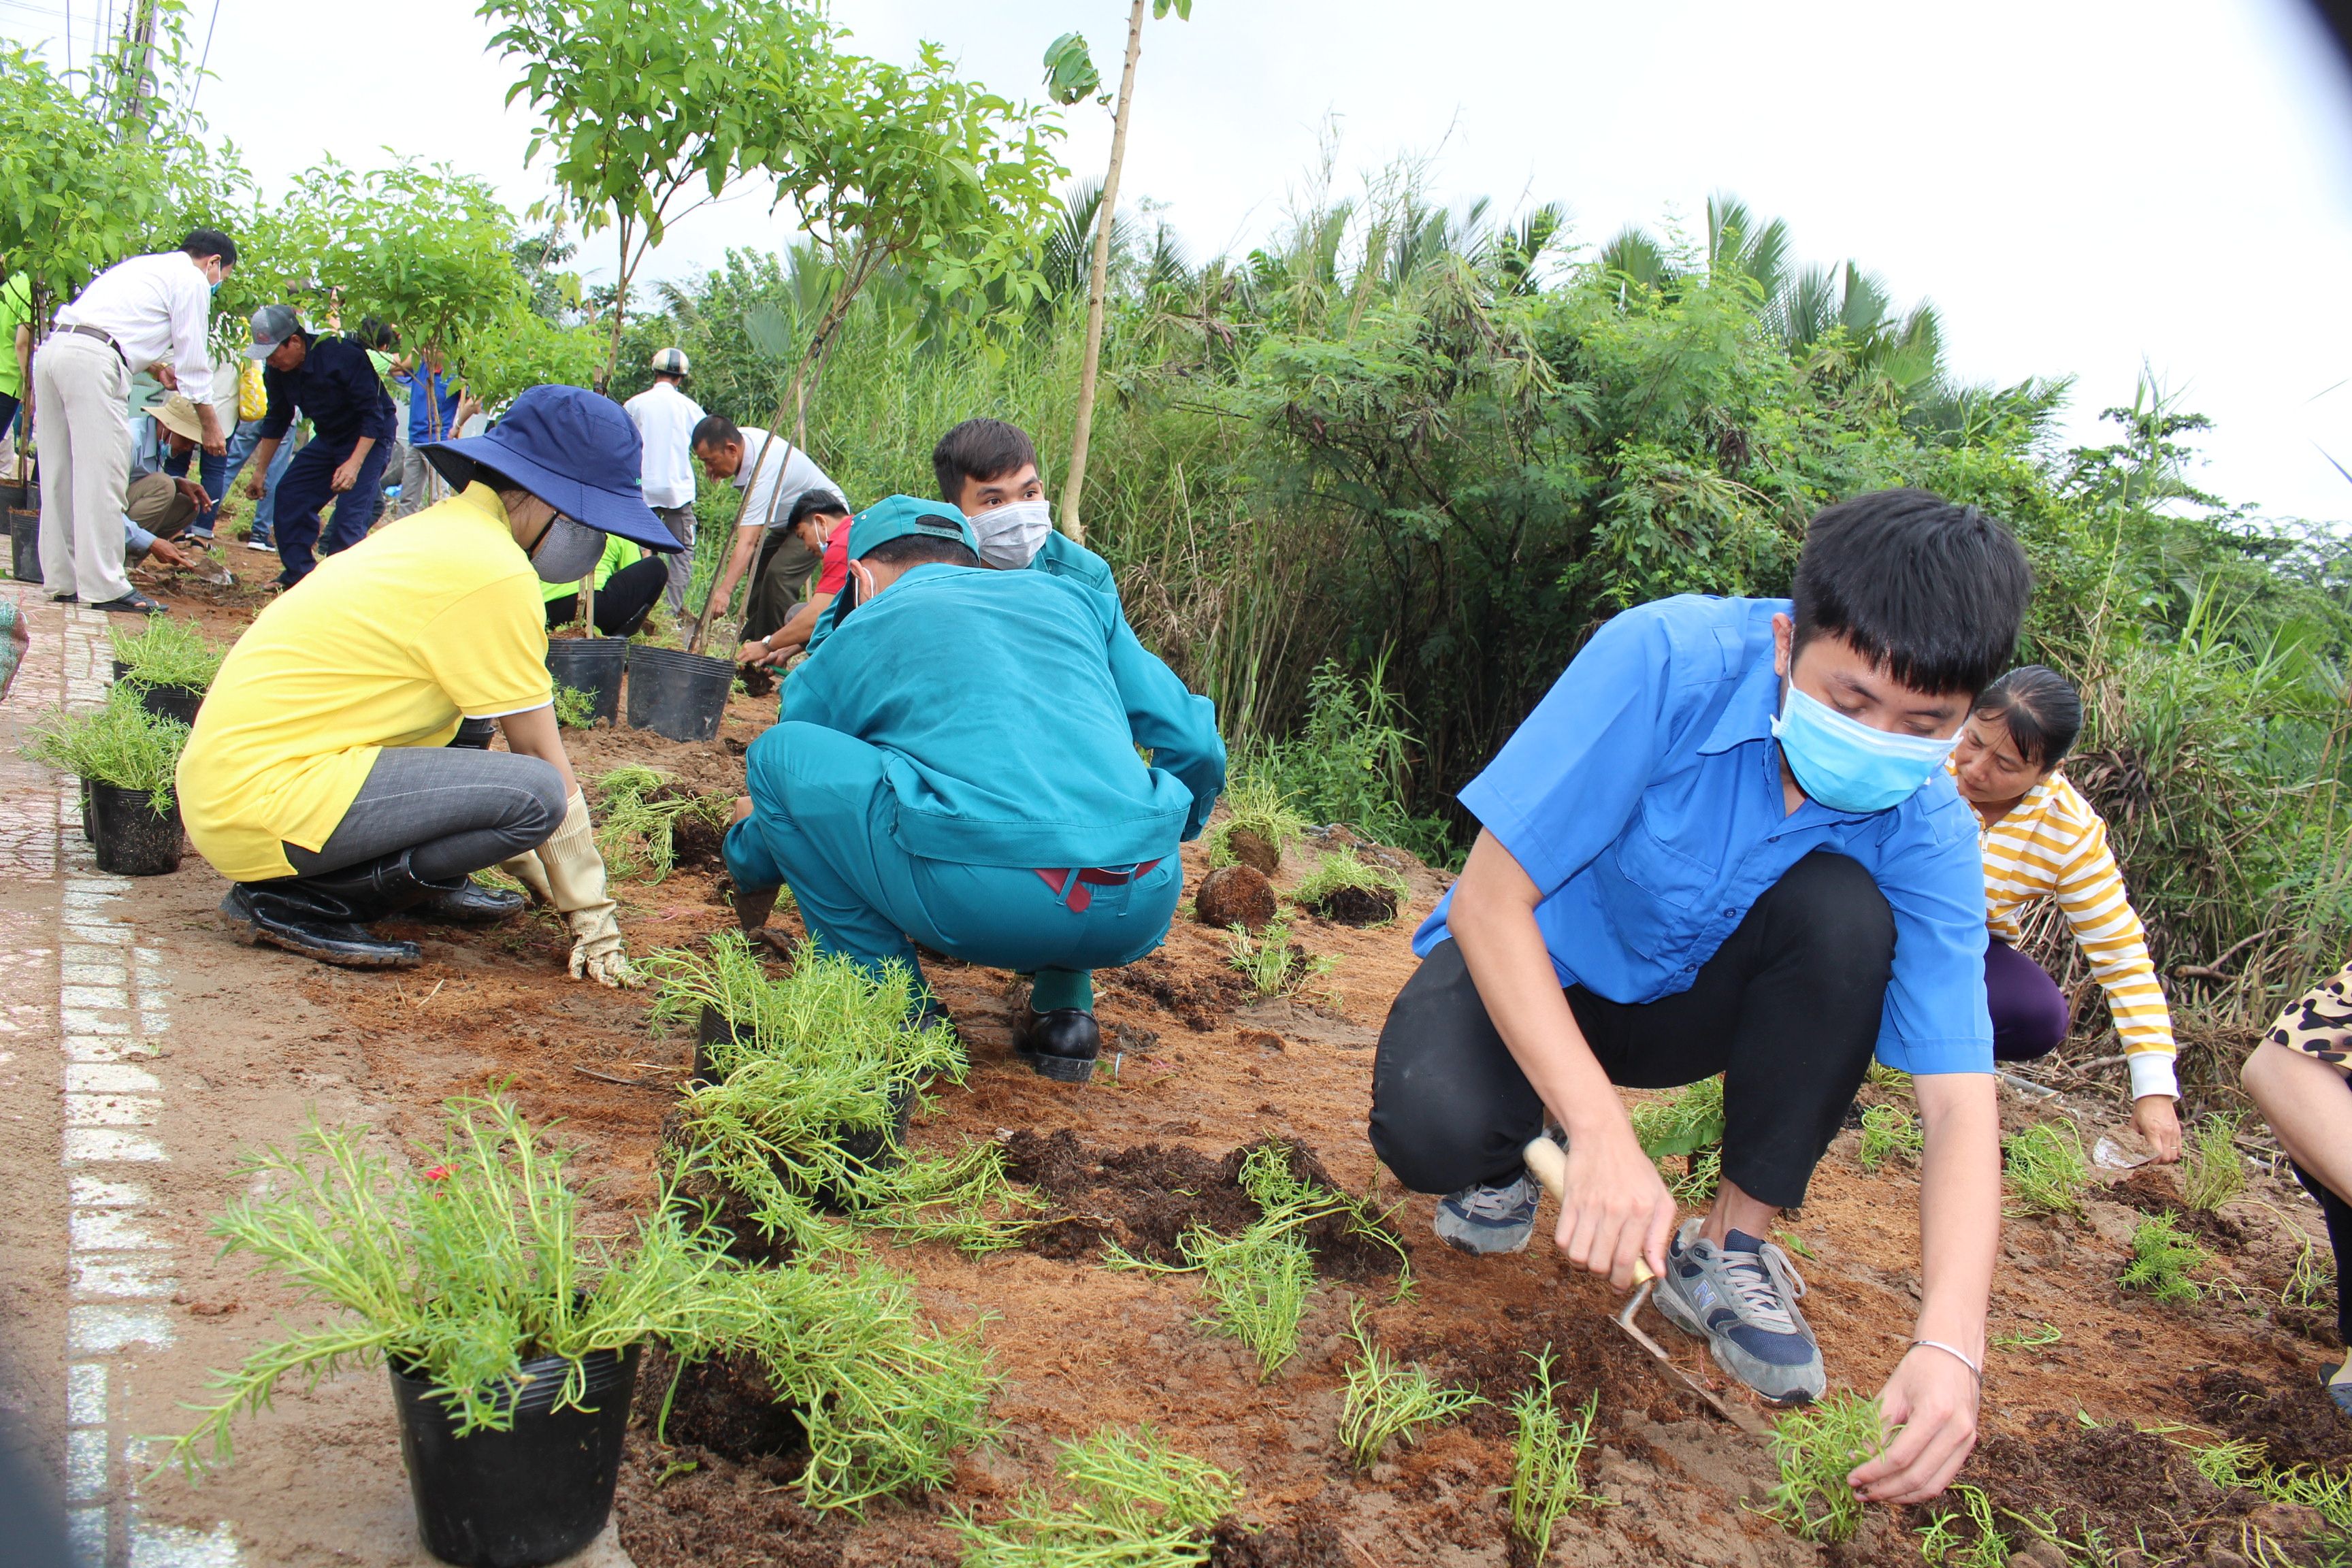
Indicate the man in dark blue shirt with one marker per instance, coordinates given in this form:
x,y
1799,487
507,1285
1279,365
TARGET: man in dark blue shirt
x,y
333,384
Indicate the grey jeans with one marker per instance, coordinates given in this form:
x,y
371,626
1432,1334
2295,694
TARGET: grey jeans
x,y
679,521
457,809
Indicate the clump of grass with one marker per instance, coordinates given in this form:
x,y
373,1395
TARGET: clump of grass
x,y
1702,1174
1259,806
168,652
1690,1122
2312,1281
1273,963
2160,1261
576,709
1943,1542
1817,1449
2045,1169
1134,1503
1888,1130
1386,1399
638,816
1548,1455
121,744
1343,870
2213,1174
2029,1338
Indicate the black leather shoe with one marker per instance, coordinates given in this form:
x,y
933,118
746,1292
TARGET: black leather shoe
x,y
471,904
312,923
1060,1045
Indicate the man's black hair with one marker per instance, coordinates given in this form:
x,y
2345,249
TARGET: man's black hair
x,y
2041,710
916,549
816,502
979,449
204,242
714,431
1930,592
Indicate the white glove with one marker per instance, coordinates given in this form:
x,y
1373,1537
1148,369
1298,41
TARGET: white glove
x,y
573,880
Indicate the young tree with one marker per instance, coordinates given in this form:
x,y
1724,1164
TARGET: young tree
x,y
650,104
1070,75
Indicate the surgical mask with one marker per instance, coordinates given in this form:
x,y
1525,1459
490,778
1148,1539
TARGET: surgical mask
x,y
567,552
1847,765
1010,536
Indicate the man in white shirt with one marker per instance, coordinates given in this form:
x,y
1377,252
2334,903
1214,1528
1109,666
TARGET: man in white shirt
x,y
147,313
666,418
772,474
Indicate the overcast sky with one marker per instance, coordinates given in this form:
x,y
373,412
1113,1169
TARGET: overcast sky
x,y
2080,188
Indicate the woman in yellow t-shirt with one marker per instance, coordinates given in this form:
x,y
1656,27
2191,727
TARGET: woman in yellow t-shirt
x,y
320,778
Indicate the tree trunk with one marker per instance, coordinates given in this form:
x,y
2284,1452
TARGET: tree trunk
x,y
620,305
1074,485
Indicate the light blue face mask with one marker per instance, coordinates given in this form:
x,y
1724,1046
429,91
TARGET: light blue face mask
x,y
1847,765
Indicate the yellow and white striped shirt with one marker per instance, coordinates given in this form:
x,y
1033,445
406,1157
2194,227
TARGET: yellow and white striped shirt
x,y
2051,844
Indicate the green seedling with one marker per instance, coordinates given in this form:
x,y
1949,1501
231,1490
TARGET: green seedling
x,y
1385,1399
2311,1282
1548,1455
1696,1187
2045,1169
1342,870
169,652
576,709
1893,1080
1274,964
2029,1338
637,817
121,744
1817,1449
2162,1260
1259,805
1888,1130
1944,1542
1133,1502
2213,1174
1690,1122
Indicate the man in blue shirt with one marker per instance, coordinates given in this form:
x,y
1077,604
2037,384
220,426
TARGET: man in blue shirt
x,y
890,801
333,381
1724,843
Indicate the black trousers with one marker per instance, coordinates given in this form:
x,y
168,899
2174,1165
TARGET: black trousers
x,y
1788,1010
2339,1241
622,602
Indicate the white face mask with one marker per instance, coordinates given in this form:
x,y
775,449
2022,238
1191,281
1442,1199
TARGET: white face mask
x,y
1010,535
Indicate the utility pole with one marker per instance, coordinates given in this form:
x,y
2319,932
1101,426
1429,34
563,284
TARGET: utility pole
x,y
135,69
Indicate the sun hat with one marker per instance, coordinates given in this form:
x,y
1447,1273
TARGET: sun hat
x,y
272,325
174,413
899,516
670,362
573,449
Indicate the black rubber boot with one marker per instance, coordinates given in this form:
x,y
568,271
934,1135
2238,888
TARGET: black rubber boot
x,y
1060,1045
301,917
469,904
386,886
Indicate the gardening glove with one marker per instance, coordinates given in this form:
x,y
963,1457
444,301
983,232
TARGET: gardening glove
x,y
575,883
525,868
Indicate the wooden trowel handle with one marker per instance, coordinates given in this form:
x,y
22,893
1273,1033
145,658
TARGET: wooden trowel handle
x,y
1550,1163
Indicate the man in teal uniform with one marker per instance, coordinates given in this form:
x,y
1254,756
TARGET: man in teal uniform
x,y
895,801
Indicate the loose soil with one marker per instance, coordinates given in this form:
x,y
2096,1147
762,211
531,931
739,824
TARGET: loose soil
x,y
1205,1069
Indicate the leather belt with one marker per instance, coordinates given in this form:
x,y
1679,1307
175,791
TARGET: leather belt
x,y
102,335
1073,886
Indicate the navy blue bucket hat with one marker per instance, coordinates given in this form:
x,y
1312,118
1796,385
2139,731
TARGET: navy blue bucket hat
x,y
573,449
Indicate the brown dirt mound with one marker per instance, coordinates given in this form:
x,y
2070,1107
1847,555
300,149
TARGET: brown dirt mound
x,y
1144,1199
713,1510
1310,1541
1202,999
2127,1484
696,842
2151,1191
724,1405
1587,1353
1357,906
1234,895
2294,1425
1255,850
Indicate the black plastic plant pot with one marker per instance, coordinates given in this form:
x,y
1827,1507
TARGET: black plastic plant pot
x,y
25,544
534,1493
712,1028
132,839
680,695
591,665
179,702
121,669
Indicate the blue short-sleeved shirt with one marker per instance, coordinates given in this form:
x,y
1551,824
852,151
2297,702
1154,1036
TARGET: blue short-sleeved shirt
x,y
1643,798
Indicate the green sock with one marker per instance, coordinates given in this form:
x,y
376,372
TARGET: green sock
x,y
1057,988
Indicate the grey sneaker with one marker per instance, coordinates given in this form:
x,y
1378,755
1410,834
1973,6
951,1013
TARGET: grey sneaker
x,y
1741,1298
1482,1220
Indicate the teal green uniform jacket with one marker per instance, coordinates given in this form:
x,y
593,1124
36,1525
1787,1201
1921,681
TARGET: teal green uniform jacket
x,y
1060,556
1010,705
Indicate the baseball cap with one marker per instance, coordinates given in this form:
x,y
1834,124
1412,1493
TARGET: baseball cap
x,y
899,516
272,325
670,362
176,413
572,448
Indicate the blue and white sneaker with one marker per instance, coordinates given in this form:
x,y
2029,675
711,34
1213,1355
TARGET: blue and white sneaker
x,y
1741,1298
1484,1220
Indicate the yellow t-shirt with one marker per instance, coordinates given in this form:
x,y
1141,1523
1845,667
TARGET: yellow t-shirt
x,y
431,619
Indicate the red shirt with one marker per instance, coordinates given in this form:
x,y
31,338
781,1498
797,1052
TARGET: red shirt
x,y
835,569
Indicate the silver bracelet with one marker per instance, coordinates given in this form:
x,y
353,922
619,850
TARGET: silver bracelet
x,y
1955,1352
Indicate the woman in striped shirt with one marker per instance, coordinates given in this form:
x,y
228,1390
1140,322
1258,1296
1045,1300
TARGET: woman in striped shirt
x,y
2041,838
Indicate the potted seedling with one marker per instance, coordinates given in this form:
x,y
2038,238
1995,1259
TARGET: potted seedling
x,y
512,1338
171,665
125,757
591,665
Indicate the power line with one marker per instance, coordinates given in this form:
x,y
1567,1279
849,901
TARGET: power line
x,y
197,85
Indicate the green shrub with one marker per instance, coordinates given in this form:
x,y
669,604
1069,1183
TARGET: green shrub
x,y
2044,1169
169,652
1387,1400
1352,763
1343,869
1888,1130
1816,1448
121,744
2213,1172
1134,1503
2160,1261
576,709
1943,1542
1548,1453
